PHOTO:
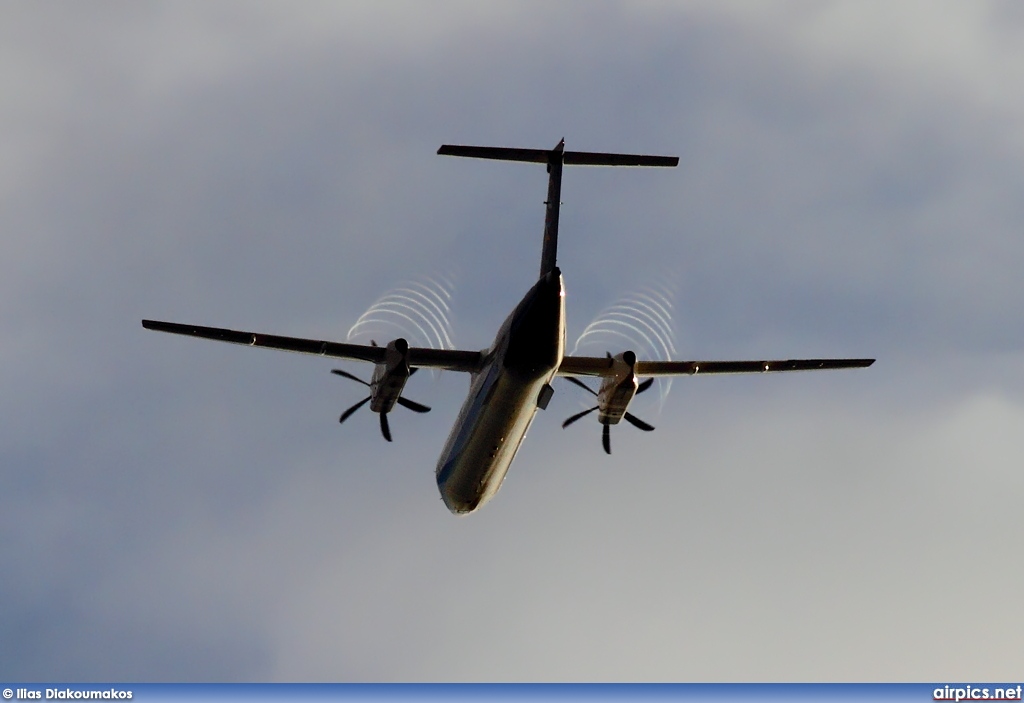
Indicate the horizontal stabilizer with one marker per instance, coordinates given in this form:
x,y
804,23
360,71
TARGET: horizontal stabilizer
x,y
594,158
569,158
537,156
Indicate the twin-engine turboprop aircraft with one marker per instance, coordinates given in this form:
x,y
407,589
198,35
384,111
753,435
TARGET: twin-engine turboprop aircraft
x,y
512,378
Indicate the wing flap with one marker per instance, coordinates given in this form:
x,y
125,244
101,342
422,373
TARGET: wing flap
x,y
449,359
446,359
585,366
602,366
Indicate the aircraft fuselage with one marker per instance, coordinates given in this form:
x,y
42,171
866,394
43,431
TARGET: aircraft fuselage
x,y
504,397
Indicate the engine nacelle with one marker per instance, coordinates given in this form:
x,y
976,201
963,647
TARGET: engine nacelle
x,y
617,391
390,376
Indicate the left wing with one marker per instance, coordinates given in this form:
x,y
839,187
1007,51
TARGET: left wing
x,y
602,366
447,359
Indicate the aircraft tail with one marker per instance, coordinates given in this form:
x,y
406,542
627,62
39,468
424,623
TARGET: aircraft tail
x,y
555,159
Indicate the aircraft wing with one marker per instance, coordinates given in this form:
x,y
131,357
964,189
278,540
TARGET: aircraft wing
x,y
602,366
447,359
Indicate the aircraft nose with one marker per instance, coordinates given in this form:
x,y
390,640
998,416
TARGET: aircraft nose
x,y
453,498
458,506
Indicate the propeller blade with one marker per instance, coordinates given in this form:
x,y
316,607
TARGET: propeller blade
x,y
349,376
581,384
412,405
577,416
345,415
638,423
606,439
384,428
644,386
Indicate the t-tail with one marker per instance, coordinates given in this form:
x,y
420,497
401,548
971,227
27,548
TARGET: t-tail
x,y
555,159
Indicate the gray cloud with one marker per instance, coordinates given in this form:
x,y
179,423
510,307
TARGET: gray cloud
x,y
848,186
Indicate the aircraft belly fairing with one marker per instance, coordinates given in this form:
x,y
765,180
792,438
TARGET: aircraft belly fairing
x,y
471,471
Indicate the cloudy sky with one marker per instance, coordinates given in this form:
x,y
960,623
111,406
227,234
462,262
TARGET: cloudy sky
x,y
849,185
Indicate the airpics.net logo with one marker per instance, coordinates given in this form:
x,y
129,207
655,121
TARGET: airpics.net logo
x,y
977,693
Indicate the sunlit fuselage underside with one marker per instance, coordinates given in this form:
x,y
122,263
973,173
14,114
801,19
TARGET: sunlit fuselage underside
x,y
503,398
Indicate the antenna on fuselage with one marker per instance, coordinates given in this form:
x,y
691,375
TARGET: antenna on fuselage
x,y
555,159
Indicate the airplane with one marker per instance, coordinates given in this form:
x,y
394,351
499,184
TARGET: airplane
x,y
510,380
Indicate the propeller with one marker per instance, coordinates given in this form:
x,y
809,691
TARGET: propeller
x,y
385,428
632,419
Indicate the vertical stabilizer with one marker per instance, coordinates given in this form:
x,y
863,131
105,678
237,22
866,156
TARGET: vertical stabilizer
x,y
549,253
555,159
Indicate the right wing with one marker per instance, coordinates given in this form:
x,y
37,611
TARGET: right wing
x,y
602,366
446,359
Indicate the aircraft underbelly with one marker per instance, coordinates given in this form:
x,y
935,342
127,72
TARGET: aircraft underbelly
x,y
503,397
474,464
